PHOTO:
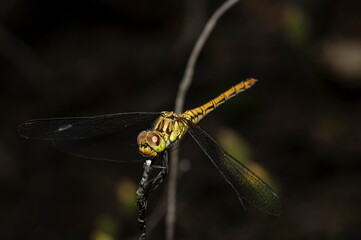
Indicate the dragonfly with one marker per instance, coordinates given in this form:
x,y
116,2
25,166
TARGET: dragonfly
x,y
114,137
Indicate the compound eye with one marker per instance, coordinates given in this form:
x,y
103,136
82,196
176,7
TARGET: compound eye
x,y
153,139
141,136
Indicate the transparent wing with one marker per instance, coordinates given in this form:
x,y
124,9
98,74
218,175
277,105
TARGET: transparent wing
x,y
245,183
106,137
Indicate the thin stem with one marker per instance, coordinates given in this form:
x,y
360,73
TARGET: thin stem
x,y
183,88
143,198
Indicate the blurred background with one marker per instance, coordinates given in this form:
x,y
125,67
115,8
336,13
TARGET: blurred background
x,y
298,128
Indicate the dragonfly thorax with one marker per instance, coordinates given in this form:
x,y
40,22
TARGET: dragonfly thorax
x,y
172,126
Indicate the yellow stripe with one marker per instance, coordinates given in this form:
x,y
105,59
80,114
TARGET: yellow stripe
x,y
196,114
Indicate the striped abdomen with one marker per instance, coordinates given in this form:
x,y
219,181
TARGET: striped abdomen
x,y
196,114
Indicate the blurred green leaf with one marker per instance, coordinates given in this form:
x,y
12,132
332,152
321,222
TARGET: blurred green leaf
x,y
106,228
296,26
126,195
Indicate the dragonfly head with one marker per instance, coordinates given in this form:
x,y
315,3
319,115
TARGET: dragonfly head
x,y
150,143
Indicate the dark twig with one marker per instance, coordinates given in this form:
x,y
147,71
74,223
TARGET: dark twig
x,y
183,87
143,199
147,186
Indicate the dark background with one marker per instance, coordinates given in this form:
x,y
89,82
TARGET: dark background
x,y
298,128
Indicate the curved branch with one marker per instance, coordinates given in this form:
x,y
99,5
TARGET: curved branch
x,y
183,88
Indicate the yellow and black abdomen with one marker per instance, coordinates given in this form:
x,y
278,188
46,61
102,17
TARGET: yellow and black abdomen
x,y
196,114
